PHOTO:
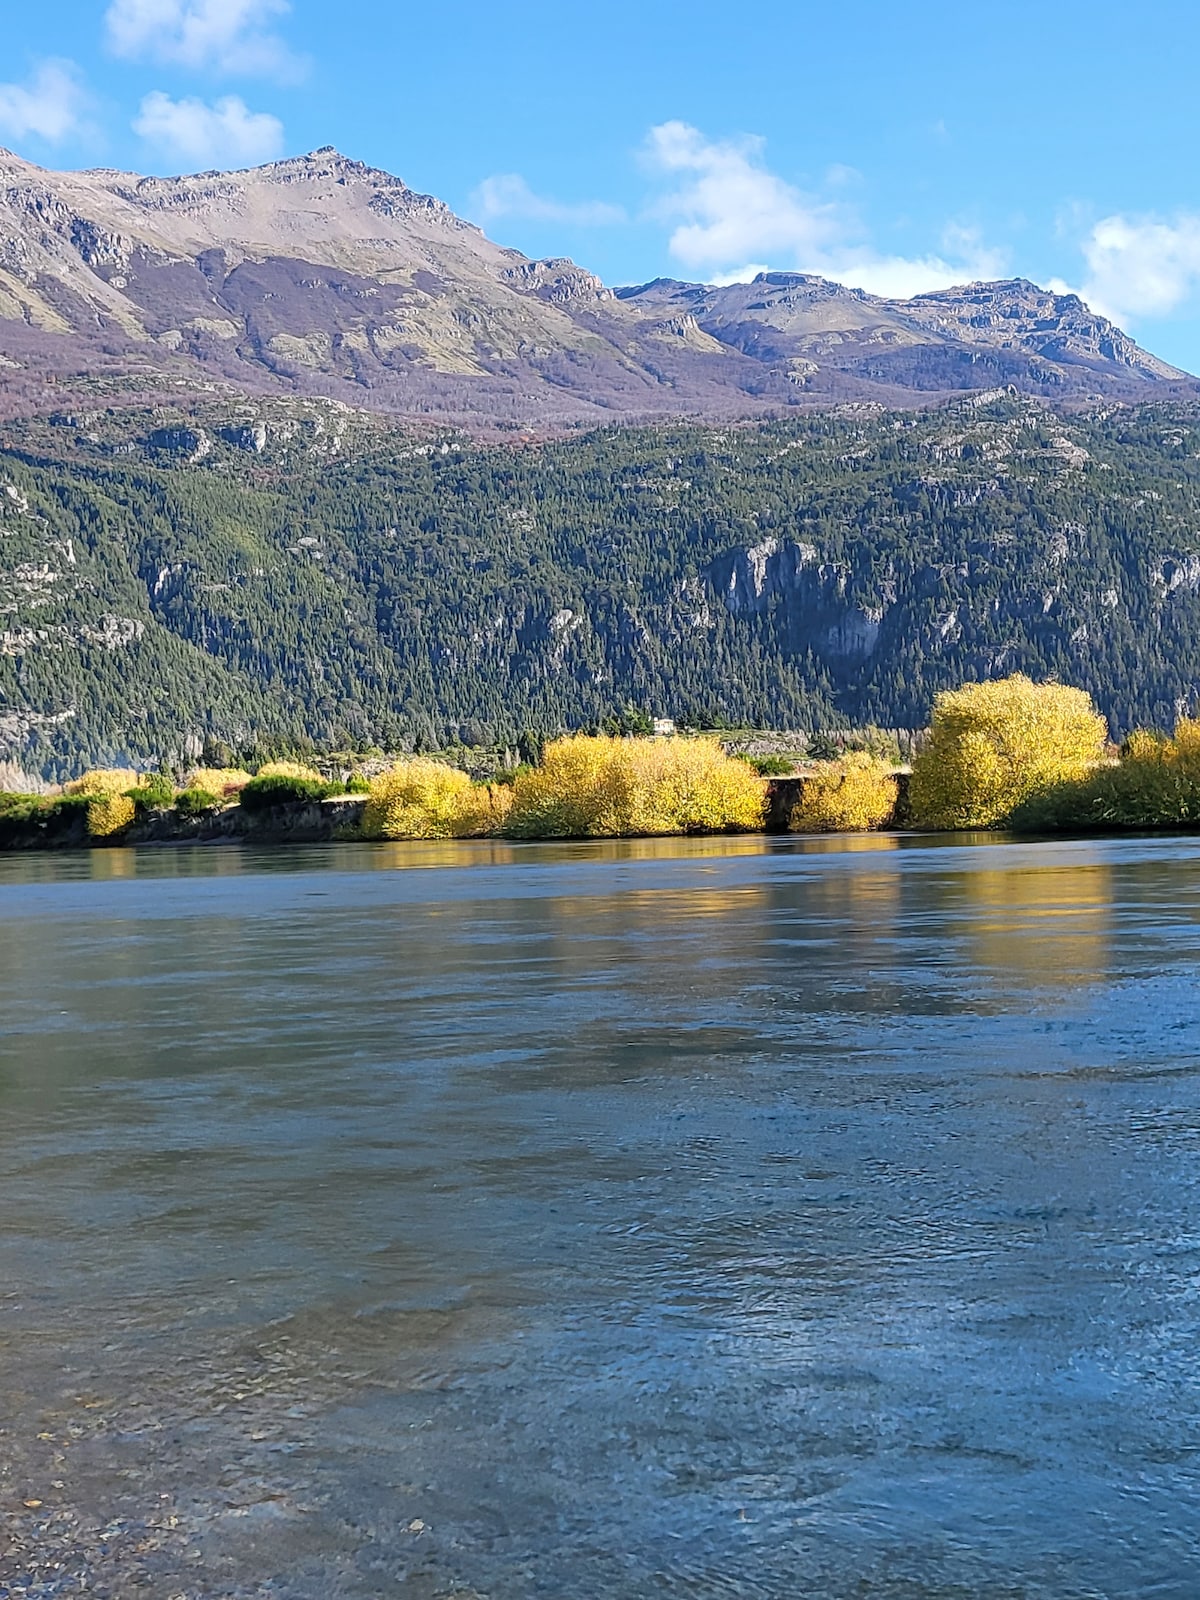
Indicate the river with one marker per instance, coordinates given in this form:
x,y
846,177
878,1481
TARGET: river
x,y
699,1218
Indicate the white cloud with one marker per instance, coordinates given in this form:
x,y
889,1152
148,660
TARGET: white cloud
x,y
901,277
966,259
228,35
508,195
746,274
729,207
200,135
48,105
1140,266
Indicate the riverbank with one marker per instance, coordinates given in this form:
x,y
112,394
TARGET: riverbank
x,y
298,822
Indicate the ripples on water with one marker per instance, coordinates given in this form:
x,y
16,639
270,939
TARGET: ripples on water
x,y
732,1218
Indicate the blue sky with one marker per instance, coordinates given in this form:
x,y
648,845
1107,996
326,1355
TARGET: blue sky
x,y
894,147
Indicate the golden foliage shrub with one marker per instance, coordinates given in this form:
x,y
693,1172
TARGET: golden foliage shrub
x,y
698,788
287,769
109,813
1155,784
423,799
993,745
600,786
224,782
846,796
485,809
105,780
1184,744
564,797
1143,745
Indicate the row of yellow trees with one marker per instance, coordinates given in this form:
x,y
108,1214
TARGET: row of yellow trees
x,y
992,749
1017,754
1008,752
1003,753
1036,758
586,787
112,793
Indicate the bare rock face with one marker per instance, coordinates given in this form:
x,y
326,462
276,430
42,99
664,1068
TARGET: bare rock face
x,y
248,436
189,444
789,577
321,276
559,281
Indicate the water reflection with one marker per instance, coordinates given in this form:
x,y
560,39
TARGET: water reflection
x,y
841,844
1044,926
722,1218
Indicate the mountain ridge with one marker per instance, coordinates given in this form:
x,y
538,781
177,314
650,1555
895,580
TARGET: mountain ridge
x,y
321,276
1001,313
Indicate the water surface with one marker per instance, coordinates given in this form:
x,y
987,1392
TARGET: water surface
x,y
697,1218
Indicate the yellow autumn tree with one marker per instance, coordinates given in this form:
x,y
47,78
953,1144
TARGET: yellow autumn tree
x,y
599,786
1184,743
849,795
224,782
993,745
570,794
109,813
423,799
484,810
289,769
1155,784
104,780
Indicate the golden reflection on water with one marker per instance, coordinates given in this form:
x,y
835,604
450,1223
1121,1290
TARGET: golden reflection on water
x,y
1041,925
218,860
110,864
663,908
411,853
818,844
646,920
1050,927
673,944
442,853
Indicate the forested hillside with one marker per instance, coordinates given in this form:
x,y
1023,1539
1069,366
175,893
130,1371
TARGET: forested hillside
x,y
265,583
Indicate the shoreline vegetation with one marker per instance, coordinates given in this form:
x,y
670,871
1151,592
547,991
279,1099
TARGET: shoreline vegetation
x,y
1003,754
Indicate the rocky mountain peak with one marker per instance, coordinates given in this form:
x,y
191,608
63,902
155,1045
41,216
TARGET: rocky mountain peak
x,y
324,164
1017,314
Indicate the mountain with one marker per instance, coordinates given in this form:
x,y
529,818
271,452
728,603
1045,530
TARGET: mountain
x,y
265,571
980,335
319,276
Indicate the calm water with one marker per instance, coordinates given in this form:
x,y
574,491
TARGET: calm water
x,y
698,1219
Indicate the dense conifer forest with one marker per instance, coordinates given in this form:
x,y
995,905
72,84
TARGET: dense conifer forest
x,y
268,589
